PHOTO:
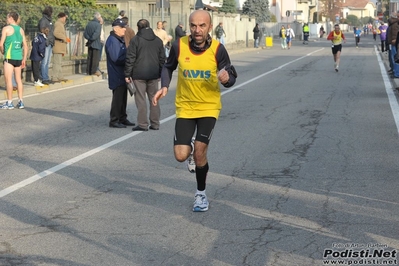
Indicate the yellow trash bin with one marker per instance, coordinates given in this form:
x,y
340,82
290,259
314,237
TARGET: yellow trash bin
x,y
269,41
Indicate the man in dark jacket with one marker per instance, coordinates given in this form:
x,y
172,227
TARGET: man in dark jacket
x,y
179,32
256,31
92,34
392,32
46,22
144,60
115,50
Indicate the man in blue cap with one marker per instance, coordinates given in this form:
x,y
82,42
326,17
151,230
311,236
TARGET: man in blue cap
x,y
115,50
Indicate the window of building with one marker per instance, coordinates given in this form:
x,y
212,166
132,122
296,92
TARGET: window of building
x,y
153,10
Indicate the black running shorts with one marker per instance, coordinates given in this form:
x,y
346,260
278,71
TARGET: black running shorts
x,y
185,128
15,63
336,48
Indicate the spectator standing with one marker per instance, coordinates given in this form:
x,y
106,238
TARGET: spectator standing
x,y
336,37
290,35
60,47
168,46
115,50
15,50
46,22
198,98
321,31
179,32
102,41
283,37
170,38
161,33
144,60
358,33
383,36
164,25
220,34
92,34
256,32
393,29
121,14
129,33
37,54
305,30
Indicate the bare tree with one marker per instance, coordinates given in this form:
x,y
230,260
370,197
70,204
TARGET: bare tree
x,y
329,8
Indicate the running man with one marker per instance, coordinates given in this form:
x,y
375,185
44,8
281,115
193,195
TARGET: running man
x,y
337,37
203,62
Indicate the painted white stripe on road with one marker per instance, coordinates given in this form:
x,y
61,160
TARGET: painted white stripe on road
x,y
393,102
55,90
85,155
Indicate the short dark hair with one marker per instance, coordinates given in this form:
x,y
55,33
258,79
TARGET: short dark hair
x,y
45,30
125,20
61,15
48,10
143,23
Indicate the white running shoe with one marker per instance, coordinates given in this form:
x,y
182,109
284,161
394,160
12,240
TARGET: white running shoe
x,y
190,159
201,203
39,83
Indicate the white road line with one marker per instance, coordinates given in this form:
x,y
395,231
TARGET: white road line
x,y
85,155
388,88
55,90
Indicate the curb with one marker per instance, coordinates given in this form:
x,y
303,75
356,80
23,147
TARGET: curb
x,y
30,89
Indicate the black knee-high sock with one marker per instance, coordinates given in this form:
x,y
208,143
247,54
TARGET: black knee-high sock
x,y
200,174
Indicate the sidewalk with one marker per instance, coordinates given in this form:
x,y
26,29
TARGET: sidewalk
x,y
29,88
76,79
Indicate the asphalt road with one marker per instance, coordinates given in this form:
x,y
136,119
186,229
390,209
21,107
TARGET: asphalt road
x,y
303,170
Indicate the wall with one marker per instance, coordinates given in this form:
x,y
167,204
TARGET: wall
x,y
238,28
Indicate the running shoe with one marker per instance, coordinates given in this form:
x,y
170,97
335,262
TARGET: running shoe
x,y
201,203
7,105
38,83
190,159
20,105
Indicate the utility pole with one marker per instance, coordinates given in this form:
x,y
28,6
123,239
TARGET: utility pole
x,y
162,11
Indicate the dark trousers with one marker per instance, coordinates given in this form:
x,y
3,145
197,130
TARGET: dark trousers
x,y
383,46
36,70
357,40
118,104
93,59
